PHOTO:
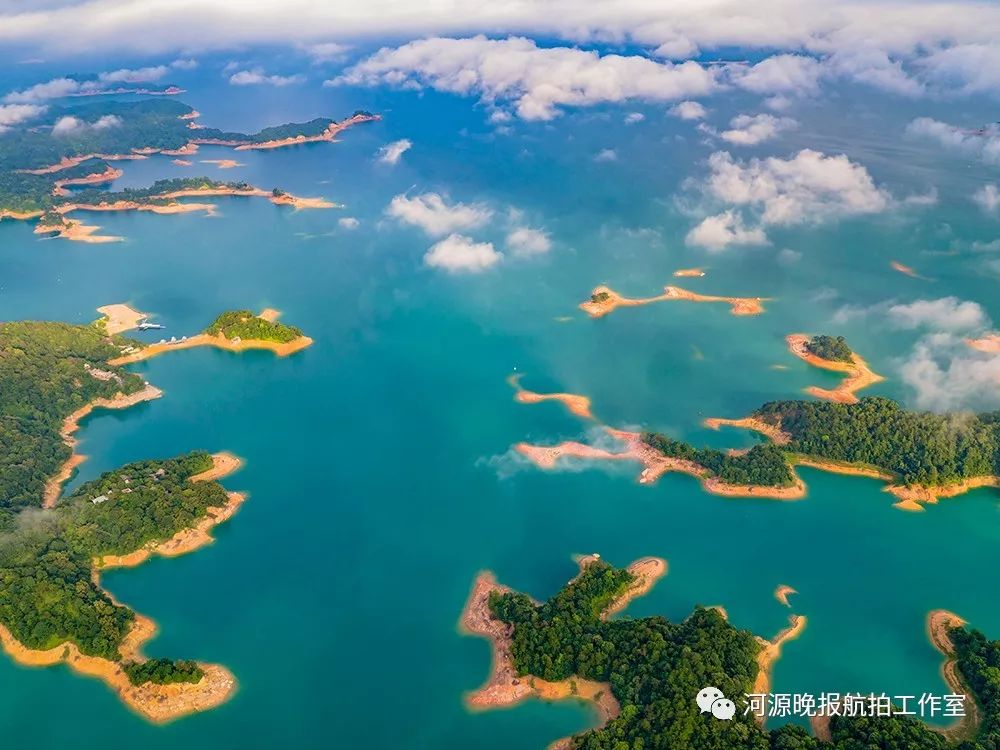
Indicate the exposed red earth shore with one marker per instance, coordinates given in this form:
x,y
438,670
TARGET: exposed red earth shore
x,y
605,300
859,374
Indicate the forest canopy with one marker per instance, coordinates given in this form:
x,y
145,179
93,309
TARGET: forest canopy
x,y
245,324
833,348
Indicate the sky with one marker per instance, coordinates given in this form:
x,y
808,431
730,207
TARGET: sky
x,y
536,61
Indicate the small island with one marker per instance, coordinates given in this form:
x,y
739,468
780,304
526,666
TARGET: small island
x,y
569,647
833,353
604,300
577,405
234,331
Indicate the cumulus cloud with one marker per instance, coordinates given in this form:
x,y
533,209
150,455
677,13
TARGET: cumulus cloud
x,y
138,75
749,130
781,74
945,314
326,51
971,68
391,153
606,154
688,110
525,241
633,117
987,198
457,253
66,125
348,222
982,143
257,77
53,89
107,121
539,82
725,229
14,114
946,375
435,216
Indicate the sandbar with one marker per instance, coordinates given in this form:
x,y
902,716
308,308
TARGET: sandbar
x,y
610,299
120,317
782,592
72,229
224,163
990,344
577,405
859,374
906,270
53,487
686,272
182,162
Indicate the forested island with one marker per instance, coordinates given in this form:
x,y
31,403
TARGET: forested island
x,y
34,155
655,668
245,324
52,549
833,348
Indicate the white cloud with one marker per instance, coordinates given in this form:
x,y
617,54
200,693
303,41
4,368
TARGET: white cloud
x,y
457,253
749,130
14,114
972,68
987,198
873,67
725,229
53,89
930,198
538,81
326,51
431,213
391,153
66,125
349,222
944,314
688,110
605,155
982,143
188,63
139,75
809,187
107,121
257,77
633,117
946,375
781,74
525,241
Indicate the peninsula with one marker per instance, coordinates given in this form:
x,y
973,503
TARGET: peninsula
x,y
52,606
604,300
568,647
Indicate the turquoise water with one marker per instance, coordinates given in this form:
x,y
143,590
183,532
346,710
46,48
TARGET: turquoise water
x,y
378,461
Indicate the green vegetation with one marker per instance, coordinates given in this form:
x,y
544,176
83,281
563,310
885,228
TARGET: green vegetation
x,y
599,297
832,348
763,465
656,669
48,371
919,447
246,325
105,127
47,592
163,671
156,192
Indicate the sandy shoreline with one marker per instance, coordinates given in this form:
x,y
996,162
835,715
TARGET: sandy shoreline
x,y
577,405
989,344
775,434
158,703
613,300
782,592
689,272
770,652
859,374
281,349
53,487
939,622
655,465
98,178
119,317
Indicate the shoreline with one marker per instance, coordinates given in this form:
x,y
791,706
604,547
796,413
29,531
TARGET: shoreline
x,y
157,703
775,434
119,317
782,592
281,349
54,485
939,621
770,652
654,465
859,374
577,405
598,309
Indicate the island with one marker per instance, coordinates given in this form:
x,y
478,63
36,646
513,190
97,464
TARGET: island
x,y
989,344
922,456
37,168
604,300
52,607
234,331
642,675
833,353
